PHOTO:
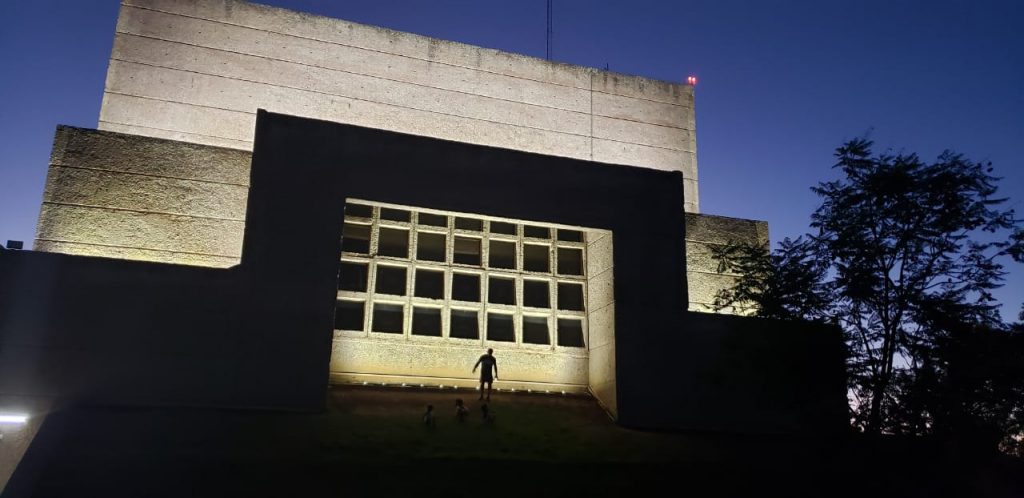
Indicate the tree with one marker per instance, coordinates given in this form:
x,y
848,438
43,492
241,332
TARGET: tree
x,y
898,243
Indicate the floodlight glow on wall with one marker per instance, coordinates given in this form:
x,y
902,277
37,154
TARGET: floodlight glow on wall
x,y
13,418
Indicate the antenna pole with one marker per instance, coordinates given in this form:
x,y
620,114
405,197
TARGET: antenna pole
x,y
550,31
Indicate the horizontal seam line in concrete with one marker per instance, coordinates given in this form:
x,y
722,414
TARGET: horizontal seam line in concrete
x,y
702,272
111,208
399,107
287,61
248,142
234,258
599,309
214,182
329,42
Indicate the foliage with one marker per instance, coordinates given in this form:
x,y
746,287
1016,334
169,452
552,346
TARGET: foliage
x,y
904,258
786,284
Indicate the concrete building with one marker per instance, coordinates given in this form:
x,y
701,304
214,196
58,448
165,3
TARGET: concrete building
x,y
274,201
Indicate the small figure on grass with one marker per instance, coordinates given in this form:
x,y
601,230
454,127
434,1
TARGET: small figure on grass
x,y
487,413
461,412
428,417
488,362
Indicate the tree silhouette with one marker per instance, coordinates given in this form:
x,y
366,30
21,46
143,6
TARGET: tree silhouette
x,y
904,256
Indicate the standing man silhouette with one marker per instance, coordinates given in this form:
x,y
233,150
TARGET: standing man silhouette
x,y
488,362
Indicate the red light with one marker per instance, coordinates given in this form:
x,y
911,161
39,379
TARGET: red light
x,y
691,80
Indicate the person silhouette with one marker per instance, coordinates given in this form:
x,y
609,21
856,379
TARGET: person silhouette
x,y
460,410
488,363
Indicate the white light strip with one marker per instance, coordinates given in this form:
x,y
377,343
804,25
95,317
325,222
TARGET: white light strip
x,y
13,419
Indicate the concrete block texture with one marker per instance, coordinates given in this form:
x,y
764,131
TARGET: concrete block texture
x,y
131,197
703,234
198,70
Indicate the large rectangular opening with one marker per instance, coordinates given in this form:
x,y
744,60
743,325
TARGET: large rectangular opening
x,y
423,292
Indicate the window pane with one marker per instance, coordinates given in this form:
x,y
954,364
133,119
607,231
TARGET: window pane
x,y
535,258
426,321
394,214
434,220
501,291
502,227
430,246
464,325
348,315
395,242
536,294
503,255
467,251
360,210
535,330
390,280
352,276
536,232
466,287
570,333
469,224
570,235
429,284
500,328
570,297
388,318
570,261
355,238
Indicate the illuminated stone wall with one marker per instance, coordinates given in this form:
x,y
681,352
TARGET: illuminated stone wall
x,y
130,197
704,232
198,70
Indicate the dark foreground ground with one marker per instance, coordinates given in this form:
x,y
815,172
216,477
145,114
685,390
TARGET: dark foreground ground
x,y
371,442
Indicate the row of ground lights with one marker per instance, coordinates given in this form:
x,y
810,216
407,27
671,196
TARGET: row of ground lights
x,y
454,388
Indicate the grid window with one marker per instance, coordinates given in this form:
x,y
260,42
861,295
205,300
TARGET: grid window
x,y
388,318
395,242
570,333
390,280
394,272
464,325
467,251
355,238
570,297
348,315
359,210
429,284
466,287
431,246
469,224
434,220
536,232
536,294
535,330
500,327
502,254
536,258
501,290
570,235
503,228
426,321
353,276
570,261
394,214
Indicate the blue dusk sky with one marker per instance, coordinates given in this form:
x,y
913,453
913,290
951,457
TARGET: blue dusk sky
x,y
781,83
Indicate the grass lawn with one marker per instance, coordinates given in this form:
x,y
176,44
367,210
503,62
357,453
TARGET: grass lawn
x,y
371,442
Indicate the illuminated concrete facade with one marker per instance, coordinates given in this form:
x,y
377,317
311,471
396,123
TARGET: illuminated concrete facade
x,y
167,179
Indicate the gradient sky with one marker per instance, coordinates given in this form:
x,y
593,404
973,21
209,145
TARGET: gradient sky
x,y
781,83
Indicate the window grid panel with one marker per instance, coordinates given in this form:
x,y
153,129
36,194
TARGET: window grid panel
x,y
483,272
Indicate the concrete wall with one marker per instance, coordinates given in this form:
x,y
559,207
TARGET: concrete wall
x,y
703,233
130,197
197,70
601,318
